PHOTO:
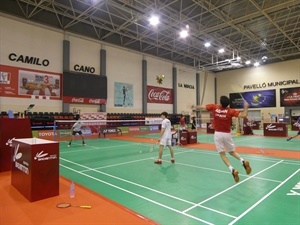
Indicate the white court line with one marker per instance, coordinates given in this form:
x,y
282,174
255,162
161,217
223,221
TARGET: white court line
x,y
98,148
222,171
140,196
208,199
262,199
128,162
145,187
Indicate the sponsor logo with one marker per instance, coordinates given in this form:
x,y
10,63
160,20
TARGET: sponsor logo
x,y
46,134
134,129
271,127
9,142
95,101
154,128
193,137
41,156
182,138
78,100
110,130
18,155
162,95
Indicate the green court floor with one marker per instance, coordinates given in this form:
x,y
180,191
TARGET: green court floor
x,y
197,189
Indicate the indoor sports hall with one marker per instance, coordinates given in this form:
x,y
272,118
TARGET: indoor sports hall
x,y
92,90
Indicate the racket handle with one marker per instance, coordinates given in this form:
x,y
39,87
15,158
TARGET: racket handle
x,y
86,206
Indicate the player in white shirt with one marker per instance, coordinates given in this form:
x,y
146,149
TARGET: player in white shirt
x,y
165,138
76,129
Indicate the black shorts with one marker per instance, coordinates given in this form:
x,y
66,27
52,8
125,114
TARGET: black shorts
x,y
77,132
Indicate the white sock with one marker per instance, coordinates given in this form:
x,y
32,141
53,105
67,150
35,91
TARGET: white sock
x,y
230,168
242,160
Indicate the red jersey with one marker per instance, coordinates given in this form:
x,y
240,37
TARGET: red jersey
x,y
222,117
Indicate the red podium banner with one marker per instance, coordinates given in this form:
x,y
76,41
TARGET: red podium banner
x,y
35,168
183,138
192,137
11,128
275,129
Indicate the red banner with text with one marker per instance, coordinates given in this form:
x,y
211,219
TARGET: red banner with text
x,y
160,95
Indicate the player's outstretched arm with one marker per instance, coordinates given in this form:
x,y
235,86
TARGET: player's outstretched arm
x,y
198,107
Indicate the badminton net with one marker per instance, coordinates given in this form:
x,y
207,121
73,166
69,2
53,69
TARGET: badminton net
x,y
106,128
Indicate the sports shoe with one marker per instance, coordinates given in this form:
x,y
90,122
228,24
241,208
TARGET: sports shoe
x,y
83,144
158,162
172,160
247,167
69,146
235,175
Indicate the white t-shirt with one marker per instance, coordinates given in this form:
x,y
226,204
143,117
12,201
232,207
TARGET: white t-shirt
x,y
166,124
77,126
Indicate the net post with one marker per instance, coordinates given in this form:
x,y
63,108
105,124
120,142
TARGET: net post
x,y
238,127
54,131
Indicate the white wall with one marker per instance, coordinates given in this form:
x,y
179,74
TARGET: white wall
x,y
123,67
84,53
29,40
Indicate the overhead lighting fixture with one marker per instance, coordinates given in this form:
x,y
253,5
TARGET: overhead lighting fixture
x,y
256,64
183,33
264,58
154,20
238,58
248,62
207,44
221,50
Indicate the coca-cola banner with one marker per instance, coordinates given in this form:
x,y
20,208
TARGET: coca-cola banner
x,y
160,95
78,100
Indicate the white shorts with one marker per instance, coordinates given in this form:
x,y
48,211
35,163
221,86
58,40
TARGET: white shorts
x,y
165,142
222,141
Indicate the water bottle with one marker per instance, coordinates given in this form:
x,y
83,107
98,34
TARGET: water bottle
x,y
72,190
262,150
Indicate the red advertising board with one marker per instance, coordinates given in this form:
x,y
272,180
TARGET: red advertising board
x,y
8,132
35,168
24,83
160,95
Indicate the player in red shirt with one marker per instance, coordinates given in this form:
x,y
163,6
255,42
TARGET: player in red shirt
x,y
222,117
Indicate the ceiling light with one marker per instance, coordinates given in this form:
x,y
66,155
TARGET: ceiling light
x,y
207,44
183,33
154,20
238,58
221,50
248,62
256,64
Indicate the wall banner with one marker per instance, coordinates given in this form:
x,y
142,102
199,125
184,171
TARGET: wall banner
x,y
23,83
160,95
290,97
256,99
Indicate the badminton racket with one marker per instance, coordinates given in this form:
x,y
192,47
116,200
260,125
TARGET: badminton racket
x,y
292,137
67,205
191,106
